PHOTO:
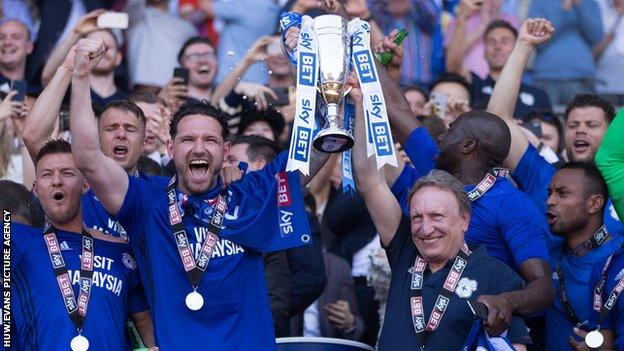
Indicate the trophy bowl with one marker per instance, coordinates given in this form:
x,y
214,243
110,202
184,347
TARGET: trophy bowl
x,y
334,53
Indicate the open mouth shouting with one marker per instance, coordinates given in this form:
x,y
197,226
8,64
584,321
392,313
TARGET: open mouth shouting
x,y
551,217
199,169
204,69
58,196
581,145
120,152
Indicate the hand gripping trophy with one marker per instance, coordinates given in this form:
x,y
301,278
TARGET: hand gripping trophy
x,y
328,47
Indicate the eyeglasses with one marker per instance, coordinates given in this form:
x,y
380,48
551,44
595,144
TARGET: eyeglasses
x,y
196,57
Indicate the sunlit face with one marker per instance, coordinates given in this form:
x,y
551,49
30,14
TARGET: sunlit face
x,y
437,225
567,202
550,136
149,143
201,62
198,151
583,132
121,138
453,91
260,128
14,44
498,45
417,102
111,58
59,186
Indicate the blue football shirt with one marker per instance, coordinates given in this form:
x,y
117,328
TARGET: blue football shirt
x,y
503,219
95,216
576,272
40,317
615,319
533,175
236,313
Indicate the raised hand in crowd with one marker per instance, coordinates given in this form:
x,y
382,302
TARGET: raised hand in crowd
x,y
10,108
88,23
157,126
257,92
175,92
88,53
534,31
85,25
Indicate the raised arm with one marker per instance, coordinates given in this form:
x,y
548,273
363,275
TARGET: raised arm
x,y
257,52
106,177
458,44
399,112
44,114
371,182
532,33
85,25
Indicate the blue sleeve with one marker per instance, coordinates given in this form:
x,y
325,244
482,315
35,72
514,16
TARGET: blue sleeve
x,y
141,197
402,186
21,237
533,175
421,149
520,225
272,216
137,301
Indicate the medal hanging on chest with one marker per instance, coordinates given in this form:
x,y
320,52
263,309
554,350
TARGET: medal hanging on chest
x,y
77,309
194,267
594,338
444,296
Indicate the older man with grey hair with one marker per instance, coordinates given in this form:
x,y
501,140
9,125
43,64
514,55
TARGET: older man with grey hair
x,y
434,272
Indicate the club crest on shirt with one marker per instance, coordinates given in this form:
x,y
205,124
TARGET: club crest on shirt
x,y
555,276
465,288
128,261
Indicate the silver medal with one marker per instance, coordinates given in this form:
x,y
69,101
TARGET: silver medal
x,y
194,301
594,339
79,343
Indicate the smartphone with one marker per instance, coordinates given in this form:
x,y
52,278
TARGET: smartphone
x,y
283,97
274,48
20,87
478,309
535,127
439,104
181,73
117,20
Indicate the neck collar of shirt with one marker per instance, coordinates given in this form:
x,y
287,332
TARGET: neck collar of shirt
x,y
209,194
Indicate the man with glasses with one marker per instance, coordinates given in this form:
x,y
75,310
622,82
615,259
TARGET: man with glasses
x,y
198,56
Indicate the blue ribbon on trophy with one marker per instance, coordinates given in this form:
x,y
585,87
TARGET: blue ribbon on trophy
x,y
348,181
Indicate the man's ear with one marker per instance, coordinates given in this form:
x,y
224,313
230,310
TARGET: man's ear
x,y
594,203
468,146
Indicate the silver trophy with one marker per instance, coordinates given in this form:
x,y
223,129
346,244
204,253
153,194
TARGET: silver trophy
x,y
334,53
